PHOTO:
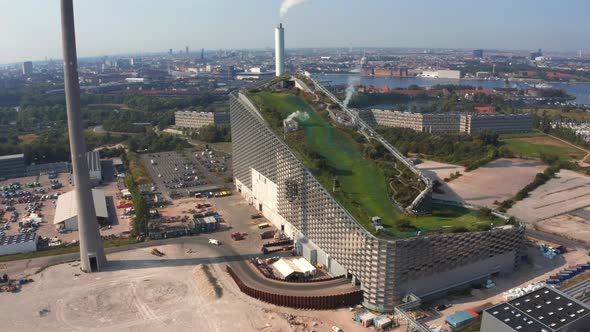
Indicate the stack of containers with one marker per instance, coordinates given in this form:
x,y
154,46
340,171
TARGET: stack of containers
x,y
568,273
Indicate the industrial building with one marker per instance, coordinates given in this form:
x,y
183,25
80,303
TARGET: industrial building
x,y
66,211
12,166
477,54
190,120
16,244
466,123
443,73
271,178
546,309
94,168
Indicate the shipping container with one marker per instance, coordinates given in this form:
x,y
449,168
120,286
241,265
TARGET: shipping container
x,y
460,319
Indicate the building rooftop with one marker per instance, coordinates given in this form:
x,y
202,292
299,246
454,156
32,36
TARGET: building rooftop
x,y
67,208
19,238
545,309
12,156
93,160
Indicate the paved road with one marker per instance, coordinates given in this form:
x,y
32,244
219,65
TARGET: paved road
x,y
556,239
224,253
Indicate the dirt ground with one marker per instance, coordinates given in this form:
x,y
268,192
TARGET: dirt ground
x,y
142,292
559,206
495,181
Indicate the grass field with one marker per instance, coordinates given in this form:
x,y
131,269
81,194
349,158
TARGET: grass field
x,y
360,180
531,146
28,138
362,186
65,250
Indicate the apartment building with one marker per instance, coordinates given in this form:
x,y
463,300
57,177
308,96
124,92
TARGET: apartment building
x,y
190,120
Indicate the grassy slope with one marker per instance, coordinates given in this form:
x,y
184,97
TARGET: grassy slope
x,y
532,146
362,188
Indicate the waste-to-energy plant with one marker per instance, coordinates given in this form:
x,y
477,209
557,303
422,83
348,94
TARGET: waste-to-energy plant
x,y
272,172
273,179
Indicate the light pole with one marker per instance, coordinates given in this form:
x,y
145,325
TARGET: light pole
x,y
92,256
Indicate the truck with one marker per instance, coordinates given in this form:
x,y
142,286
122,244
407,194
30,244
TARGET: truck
x,y
267,235
237,236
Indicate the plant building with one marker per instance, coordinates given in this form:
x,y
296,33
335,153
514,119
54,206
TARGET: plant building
x,y
274,178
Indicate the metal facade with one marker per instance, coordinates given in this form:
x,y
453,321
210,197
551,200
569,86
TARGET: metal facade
x,y
386,269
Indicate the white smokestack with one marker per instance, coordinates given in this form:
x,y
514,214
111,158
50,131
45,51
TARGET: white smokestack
x,y
279,50
287,4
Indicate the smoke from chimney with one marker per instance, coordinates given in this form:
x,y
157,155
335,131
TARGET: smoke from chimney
x,y
287,4
352,81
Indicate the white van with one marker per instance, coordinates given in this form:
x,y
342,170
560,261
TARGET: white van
x,y
214,242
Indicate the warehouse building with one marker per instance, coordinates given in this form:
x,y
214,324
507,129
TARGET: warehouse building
x,y
12,166
271,178
16,244
66,212
546,309
191,121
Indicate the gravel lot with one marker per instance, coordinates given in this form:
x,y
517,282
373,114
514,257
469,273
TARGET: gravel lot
x,y
495,181
560,206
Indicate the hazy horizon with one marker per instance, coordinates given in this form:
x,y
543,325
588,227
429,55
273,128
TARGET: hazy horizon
x,y
134,27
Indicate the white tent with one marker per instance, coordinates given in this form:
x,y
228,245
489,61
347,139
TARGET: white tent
x,y
287,267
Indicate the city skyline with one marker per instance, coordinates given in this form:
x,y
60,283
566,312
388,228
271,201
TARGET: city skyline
x,y
530,25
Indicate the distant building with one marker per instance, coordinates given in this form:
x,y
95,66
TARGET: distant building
x,y
12,166
483,74
66,211
190,120
534,55
449,74
500,123
546,309
27,68
467,123
17,244
477,54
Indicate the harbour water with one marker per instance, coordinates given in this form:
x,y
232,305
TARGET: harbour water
x,y
580,90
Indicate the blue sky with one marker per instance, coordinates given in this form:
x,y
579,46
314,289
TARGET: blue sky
x,y
29,29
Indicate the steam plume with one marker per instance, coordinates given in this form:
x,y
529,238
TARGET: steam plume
x,y
299,115
287,4
352,81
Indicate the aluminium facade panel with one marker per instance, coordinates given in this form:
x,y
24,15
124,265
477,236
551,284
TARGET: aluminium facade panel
x,y
386,269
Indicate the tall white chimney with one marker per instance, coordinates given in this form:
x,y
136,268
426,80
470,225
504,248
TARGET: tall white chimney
x,y
280,50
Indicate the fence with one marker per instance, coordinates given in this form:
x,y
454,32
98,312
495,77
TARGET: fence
x,y
294,301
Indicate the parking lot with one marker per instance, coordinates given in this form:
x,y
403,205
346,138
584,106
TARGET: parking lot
x,y
175,174
42,202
